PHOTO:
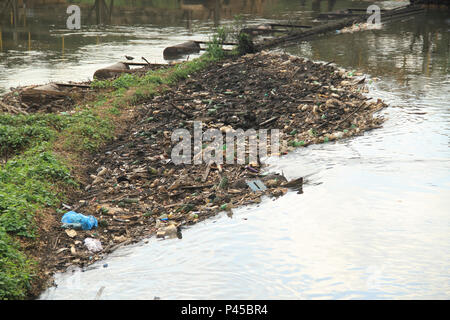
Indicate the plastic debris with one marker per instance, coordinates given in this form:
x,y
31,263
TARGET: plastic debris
x,y
71,233
360,27
164,217
194,215
256,185
250,168
76,220
141,191
72,226
93,245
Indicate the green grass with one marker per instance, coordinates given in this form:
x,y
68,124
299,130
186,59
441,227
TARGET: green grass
x,y
87,131
15,269
18,132
28,183
34,176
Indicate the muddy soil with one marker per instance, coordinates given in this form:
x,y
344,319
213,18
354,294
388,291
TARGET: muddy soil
x,y
136,191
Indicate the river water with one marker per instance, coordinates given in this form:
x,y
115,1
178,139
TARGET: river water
x,y
373,221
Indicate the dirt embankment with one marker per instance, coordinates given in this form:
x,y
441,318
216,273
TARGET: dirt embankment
x,y
136,191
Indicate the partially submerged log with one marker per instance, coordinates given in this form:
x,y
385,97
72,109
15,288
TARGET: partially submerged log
x,y
258,30
268,28
141,64
73,85
289,25
50,90
181,49
337,15
222,43
112,71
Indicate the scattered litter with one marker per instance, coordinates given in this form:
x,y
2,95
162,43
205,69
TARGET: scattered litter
x,y
193,215
171,231
138,191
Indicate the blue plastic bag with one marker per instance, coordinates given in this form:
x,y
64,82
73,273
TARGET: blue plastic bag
x,y
74,218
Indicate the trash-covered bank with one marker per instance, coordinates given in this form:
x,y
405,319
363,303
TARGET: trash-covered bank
x,y
135,189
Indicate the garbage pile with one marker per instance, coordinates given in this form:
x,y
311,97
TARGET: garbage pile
x,y
136,190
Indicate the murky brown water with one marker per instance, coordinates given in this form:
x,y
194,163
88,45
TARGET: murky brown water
x,y
373,221
40,48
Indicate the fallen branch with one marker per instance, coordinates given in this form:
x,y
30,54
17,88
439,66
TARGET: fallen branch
x,y
268,121
197,187
87,86
179,110
351,113
206,174
222,43
288,25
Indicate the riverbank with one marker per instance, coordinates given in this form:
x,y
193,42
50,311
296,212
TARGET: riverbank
x,y
131,187
371,223
135,191
44,158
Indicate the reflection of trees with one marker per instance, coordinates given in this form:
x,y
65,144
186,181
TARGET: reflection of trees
x,y
222,9
51,14
103,11
421,31
11,7
316,5
434,38
418,45
158,12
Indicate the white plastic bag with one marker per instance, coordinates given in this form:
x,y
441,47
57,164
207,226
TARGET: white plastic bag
x,y
93,245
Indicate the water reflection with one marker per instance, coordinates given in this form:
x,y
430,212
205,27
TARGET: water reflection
x,y
36,46
413,46
40,17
